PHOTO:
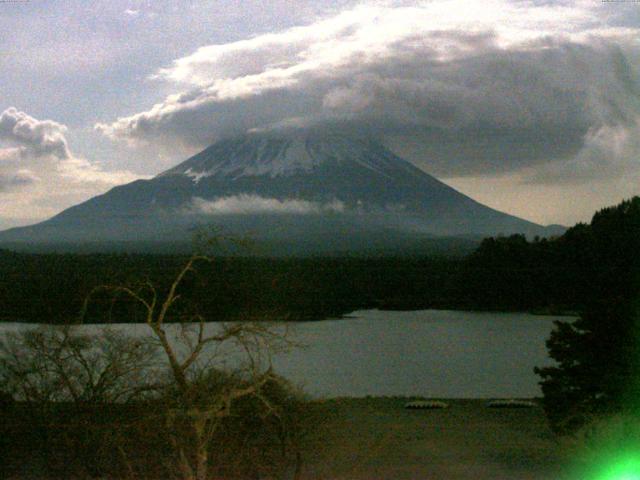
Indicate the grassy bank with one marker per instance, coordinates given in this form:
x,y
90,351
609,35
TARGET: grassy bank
x,y
377,438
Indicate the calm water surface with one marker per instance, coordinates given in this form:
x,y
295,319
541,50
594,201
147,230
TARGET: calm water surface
x,y
433,353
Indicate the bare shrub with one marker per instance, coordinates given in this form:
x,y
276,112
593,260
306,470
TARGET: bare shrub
x,y
211,373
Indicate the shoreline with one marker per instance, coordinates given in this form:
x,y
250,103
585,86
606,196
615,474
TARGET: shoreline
x,y
346,316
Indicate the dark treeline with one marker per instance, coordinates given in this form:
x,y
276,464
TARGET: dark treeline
x,y
52,287
589,262
503,273
598,369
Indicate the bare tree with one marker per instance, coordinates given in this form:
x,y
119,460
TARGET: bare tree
x,y
211,367
54,363
71,388
206,393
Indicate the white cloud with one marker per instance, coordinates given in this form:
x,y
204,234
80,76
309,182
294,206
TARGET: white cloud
x,y
485,86
10,154
35,137
254,204
43,143
80,170
17,179
39,174
608,152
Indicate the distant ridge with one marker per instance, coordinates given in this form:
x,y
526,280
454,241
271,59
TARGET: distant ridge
x,y
312,191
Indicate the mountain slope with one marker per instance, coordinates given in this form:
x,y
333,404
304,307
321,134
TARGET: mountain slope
x,y
294,188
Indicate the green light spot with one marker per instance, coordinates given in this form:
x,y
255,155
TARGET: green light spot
x,y
626,469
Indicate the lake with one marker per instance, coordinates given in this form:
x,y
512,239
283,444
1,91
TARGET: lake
x,y
431,353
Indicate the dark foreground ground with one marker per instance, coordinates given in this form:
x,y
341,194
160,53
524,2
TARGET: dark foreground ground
x,y
377,438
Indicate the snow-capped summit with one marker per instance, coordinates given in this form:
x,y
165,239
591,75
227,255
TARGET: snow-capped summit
x,y
283,155
310,166
313,188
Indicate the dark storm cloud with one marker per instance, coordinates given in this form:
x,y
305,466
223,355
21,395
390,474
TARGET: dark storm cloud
x,y
498,87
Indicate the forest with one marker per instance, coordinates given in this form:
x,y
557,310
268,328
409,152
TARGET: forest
x,y
512,273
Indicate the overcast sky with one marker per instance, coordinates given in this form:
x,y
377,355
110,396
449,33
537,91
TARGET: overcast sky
x,y
531,107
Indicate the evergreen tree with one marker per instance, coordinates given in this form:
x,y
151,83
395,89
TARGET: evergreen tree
x,y
598,355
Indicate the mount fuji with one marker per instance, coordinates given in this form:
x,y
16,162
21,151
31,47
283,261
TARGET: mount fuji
x,y
310,191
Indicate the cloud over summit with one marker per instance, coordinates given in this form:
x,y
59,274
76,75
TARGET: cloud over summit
x,y
459,87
